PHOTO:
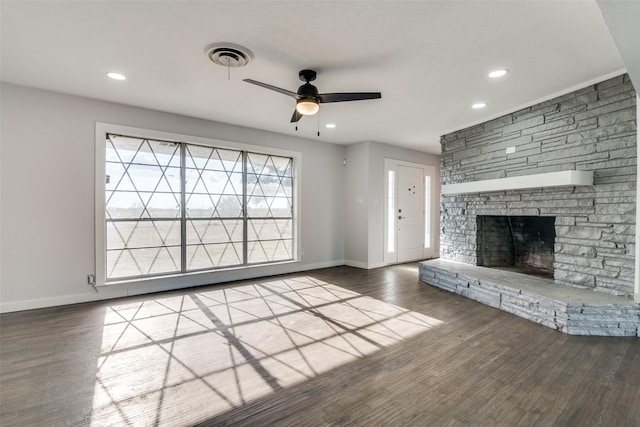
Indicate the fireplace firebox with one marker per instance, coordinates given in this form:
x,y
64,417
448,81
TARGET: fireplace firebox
x,y
518,243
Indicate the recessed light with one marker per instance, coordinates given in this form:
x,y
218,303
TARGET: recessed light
x,y
116,76
498,73
330,125
478,105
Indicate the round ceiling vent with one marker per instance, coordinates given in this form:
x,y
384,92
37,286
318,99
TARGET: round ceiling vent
x,y
229,55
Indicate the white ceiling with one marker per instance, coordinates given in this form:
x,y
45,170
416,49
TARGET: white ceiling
x,y
429,59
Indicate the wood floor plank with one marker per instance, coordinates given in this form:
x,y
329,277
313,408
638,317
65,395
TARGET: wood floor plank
x,y
336,346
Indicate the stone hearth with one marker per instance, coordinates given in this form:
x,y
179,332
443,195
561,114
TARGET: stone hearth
x,y
570,310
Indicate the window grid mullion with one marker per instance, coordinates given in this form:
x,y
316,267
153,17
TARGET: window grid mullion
x,y
183,208
245,226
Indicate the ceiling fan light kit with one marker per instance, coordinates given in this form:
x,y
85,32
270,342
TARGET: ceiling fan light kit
x,y
307,106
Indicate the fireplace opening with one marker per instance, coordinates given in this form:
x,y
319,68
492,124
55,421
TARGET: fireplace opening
x,y
518,243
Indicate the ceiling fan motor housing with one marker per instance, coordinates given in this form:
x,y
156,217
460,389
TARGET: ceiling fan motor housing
x,y
308,90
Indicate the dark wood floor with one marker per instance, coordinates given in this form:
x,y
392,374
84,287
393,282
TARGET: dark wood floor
x,y
337,346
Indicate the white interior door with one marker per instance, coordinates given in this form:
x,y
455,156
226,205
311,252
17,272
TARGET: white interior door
x,y
410,213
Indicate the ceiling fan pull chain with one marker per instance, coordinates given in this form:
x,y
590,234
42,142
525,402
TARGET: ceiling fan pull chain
x,y
318,124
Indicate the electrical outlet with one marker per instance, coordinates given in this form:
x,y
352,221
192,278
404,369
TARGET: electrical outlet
x,y
91,281
511,150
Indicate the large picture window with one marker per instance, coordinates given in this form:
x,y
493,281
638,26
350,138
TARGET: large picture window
x,y
176,207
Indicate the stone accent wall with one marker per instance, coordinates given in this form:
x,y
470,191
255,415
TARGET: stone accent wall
x,y
594,129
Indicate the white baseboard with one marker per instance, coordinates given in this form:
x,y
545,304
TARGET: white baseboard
x,y
356,264
31,304
119,291
377,265
319,265
363,265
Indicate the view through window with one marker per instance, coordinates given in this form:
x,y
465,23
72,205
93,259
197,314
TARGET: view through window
x,y
175,207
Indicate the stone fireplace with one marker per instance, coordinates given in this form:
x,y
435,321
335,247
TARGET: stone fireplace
x,y
579,237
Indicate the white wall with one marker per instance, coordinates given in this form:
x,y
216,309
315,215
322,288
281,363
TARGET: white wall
x,y
47,196
356,204
622,19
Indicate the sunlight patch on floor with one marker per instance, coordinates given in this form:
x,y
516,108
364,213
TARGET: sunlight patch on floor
x,y
184,359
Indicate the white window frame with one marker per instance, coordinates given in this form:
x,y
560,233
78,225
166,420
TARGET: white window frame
x,y
101,132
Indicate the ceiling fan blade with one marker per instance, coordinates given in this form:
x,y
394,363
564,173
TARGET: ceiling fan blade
x,y
274,88
296,116
347,96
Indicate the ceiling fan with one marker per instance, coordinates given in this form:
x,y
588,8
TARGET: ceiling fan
x,y
308,99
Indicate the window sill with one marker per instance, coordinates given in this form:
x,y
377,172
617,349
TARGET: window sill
x,y
196,274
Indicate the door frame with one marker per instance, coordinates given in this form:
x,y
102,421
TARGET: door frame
x,y
390,219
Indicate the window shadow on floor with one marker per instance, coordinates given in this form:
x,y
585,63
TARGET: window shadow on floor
x,y
183,359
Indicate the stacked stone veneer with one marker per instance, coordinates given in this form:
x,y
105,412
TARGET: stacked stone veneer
x,y
590,129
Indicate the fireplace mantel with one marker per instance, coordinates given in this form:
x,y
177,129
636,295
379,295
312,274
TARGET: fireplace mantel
x,y
568,178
